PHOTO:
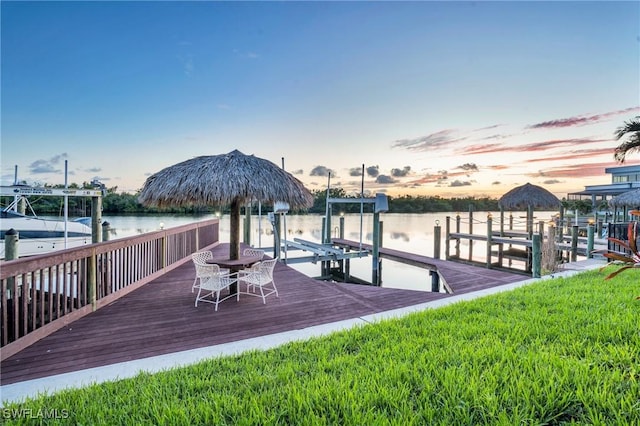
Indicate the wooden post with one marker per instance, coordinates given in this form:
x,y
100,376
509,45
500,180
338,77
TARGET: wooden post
x,y
234,230
276,236
375,261
529,220
574,243
347,267
341,234
22,205
447,233
536,255
470,232
247,224
560,226
458,238
11,244
96,219
590,236
436,240
489,235
106,226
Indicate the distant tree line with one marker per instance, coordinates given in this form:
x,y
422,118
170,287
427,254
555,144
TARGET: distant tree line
x,y
114,203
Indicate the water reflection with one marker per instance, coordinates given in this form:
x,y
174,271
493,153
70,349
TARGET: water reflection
x,y
411,233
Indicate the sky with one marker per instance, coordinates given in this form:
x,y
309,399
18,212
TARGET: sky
x,y
452,99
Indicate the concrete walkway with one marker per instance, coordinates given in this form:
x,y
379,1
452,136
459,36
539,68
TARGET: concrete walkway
x,y
32,388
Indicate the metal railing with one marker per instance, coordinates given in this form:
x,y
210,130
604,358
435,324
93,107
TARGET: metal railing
x,y
41,294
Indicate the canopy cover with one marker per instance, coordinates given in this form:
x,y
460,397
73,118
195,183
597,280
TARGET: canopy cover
x,y
221,179
626,199
528,195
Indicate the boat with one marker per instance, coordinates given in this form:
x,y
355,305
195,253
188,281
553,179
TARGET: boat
x,y
39,236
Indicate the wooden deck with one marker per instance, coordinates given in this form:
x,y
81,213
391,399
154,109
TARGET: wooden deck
x,y
160,317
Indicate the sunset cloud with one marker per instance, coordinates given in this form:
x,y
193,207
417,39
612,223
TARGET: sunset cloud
x,y
580,120
48,166
572,155
469,167
574,171
321,171
438,140
373,171
385,179
401,172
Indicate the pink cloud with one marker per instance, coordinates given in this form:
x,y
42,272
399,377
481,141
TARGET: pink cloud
x,y
580,120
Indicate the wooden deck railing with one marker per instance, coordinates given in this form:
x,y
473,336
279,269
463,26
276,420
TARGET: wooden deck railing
x,y
41,294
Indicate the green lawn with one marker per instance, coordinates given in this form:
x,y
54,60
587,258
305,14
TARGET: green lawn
x,y
560,351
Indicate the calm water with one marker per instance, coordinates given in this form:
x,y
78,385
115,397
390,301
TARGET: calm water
x,y
412,233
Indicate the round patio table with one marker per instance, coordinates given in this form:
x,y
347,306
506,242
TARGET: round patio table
x,y
234,265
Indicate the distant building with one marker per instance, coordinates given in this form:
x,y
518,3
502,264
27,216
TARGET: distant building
x,y
623,179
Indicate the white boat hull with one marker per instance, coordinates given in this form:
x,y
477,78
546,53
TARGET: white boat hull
x,y
40,236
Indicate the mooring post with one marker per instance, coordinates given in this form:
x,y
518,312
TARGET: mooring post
x,y
11,240
375,261
106,226
11,244
574,243
436,240
276,236
489,235
341,226
536,248
96,219
470,232
447,233
458,238
590,237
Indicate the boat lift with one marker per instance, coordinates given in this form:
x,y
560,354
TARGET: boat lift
x,y
20,192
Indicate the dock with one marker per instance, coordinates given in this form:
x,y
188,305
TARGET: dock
x,y
159,317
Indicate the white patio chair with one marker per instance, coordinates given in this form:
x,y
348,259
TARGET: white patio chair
x,y
212,283
259,275
202,268
253,252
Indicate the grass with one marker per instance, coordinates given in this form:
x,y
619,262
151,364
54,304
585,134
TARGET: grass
x,y
561,351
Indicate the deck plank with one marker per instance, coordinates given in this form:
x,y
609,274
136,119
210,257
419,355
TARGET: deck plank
x,y
160,318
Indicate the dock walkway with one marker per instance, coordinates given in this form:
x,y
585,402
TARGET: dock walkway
x,y
159,321
456,276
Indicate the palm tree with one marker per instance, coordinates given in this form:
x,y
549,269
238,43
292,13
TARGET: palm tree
x,y
631,130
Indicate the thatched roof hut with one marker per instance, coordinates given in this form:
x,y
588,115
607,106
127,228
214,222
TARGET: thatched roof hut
x,y
233,178
629,199
529,196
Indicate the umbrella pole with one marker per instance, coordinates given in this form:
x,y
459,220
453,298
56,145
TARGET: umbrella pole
x,y
234,238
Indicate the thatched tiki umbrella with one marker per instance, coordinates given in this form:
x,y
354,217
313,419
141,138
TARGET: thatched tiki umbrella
x,y
626,201
233,178
529,197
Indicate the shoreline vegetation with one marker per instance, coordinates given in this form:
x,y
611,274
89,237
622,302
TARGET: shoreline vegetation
x,y
125,203
558,351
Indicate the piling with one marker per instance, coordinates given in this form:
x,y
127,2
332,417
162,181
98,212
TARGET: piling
x,y
436,239
489,236
106,227
11,244
590,236
536,255
96,219
574,243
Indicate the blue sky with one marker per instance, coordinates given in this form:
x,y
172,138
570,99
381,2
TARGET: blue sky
x,y
438,98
